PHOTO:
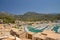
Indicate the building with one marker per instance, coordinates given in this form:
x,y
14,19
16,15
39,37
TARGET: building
x,y
1,21
29,35
46,35
39,36
18,33
57,21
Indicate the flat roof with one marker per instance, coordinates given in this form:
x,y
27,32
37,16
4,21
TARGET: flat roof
x,y
47,33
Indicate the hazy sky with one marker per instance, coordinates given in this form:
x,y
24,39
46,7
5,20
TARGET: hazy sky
x,y
22,6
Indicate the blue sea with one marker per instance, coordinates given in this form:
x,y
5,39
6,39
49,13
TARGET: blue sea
x,y
55,28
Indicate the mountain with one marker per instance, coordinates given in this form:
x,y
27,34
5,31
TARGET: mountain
x,y
28,16
6,17
33,16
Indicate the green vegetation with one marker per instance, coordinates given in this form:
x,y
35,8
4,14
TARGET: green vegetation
x,y
7,18
29,16
32,16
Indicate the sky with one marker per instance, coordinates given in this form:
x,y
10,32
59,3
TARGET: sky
x,y
23,6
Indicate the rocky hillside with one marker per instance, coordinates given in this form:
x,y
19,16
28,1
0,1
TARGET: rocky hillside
x,y
29,16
